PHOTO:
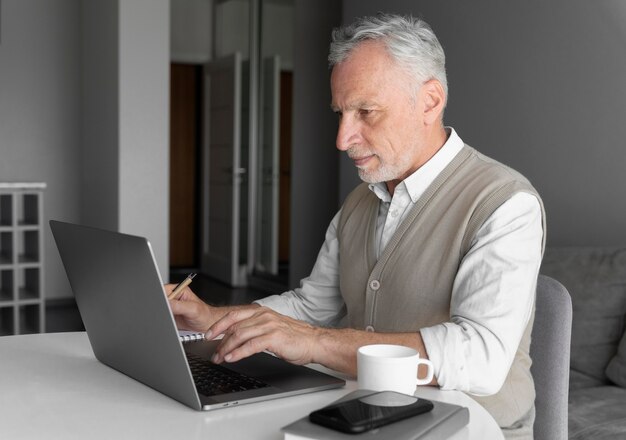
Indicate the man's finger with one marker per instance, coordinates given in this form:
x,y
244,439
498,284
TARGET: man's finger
x,y
242,345
231,318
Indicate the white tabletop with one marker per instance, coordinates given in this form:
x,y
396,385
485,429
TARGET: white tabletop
x,y
51,386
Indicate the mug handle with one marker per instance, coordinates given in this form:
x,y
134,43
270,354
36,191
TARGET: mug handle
x,y
429,375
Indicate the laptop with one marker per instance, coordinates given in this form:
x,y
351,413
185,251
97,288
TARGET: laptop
x,y
125,311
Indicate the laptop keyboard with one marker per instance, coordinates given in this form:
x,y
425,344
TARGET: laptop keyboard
x,y
212,379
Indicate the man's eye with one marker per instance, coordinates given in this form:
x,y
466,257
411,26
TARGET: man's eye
x,y
365,112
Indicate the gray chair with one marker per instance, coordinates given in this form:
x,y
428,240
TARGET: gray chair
x,y
550,353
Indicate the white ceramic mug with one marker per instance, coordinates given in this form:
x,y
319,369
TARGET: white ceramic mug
x,y
383,367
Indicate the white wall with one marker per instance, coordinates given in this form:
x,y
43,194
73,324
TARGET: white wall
x,y
40,111
540,86
88,118
144,123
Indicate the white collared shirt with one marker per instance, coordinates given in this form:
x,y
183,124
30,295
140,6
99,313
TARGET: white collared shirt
x,y
492,295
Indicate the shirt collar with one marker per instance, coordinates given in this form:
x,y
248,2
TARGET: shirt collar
x,y
417,183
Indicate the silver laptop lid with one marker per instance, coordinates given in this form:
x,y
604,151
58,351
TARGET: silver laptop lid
x,y
124,307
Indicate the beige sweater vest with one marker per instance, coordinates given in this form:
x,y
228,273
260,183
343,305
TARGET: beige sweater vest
x,y
409,287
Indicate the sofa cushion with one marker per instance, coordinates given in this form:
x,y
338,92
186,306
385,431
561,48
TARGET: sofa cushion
x,y
596,280
581,380
597,413
616,371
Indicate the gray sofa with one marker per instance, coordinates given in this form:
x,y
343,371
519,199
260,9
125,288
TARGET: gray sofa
x,y
596,280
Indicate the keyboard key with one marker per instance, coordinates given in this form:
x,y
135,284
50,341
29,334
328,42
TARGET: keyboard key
x,y
212,379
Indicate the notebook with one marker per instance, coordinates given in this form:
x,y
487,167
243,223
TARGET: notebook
x,y
187,336
126,314
441,422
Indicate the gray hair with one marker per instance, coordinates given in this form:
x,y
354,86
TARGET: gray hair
x,y
410,41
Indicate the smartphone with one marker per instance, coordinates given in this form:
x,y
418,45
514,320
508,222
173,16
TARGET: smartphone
x,y
371,411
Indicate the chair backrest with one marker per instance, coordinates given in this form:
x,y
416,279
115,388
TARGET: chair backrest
x,y
550,354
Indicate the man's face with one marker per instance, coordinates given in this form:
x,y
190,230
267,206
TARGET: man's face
x,y
380,126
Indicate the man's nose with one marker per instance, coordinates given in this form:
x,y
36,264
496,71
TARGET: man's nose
x,y
347,133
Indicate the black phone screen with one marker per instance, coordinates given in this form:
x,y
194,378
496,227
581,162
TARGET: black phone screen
x,y
370,411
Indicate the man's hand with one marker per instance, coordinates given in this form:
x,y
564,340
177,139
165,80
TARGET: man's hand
x,y
250,331
190,312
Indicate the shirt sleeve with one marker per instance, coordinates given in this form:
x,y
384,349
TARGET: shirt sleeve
x,y
318,300
492,300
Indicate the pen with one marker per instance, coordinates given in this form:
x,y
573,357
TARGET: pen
x,y
179,288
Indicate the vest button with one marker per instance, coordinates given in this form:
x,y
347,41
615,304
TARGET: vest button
x,y
375,284
369,328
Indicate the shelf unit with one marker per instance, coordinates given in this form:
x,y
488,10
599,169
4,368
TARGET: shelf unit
x,y
22,303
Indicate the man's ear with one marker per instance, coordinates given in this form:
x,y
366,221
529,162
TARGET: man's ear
x,y
434,99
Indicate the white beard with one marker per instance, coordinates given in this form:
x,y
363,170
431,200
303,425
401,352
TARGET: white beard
x,y
385,172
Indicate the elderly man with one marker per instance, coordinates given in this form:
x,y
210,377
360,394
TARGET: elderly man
x,y
438,250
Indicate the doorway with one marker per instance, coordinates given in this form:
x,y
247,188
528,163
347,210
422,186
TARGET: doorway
x,y
185,135
263,223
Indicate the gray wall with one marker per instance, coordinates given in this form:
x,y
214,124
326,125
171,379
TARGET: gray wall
x,y
191,32
125,135
100,104
40,111
539,86
314,167
87,117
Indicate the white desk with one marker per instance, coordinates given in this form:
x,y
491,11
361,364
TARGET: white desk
x,y
51,386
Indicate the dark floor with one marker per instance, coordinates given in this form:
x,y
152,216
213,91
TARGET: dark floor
x,y
62,315
215,292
